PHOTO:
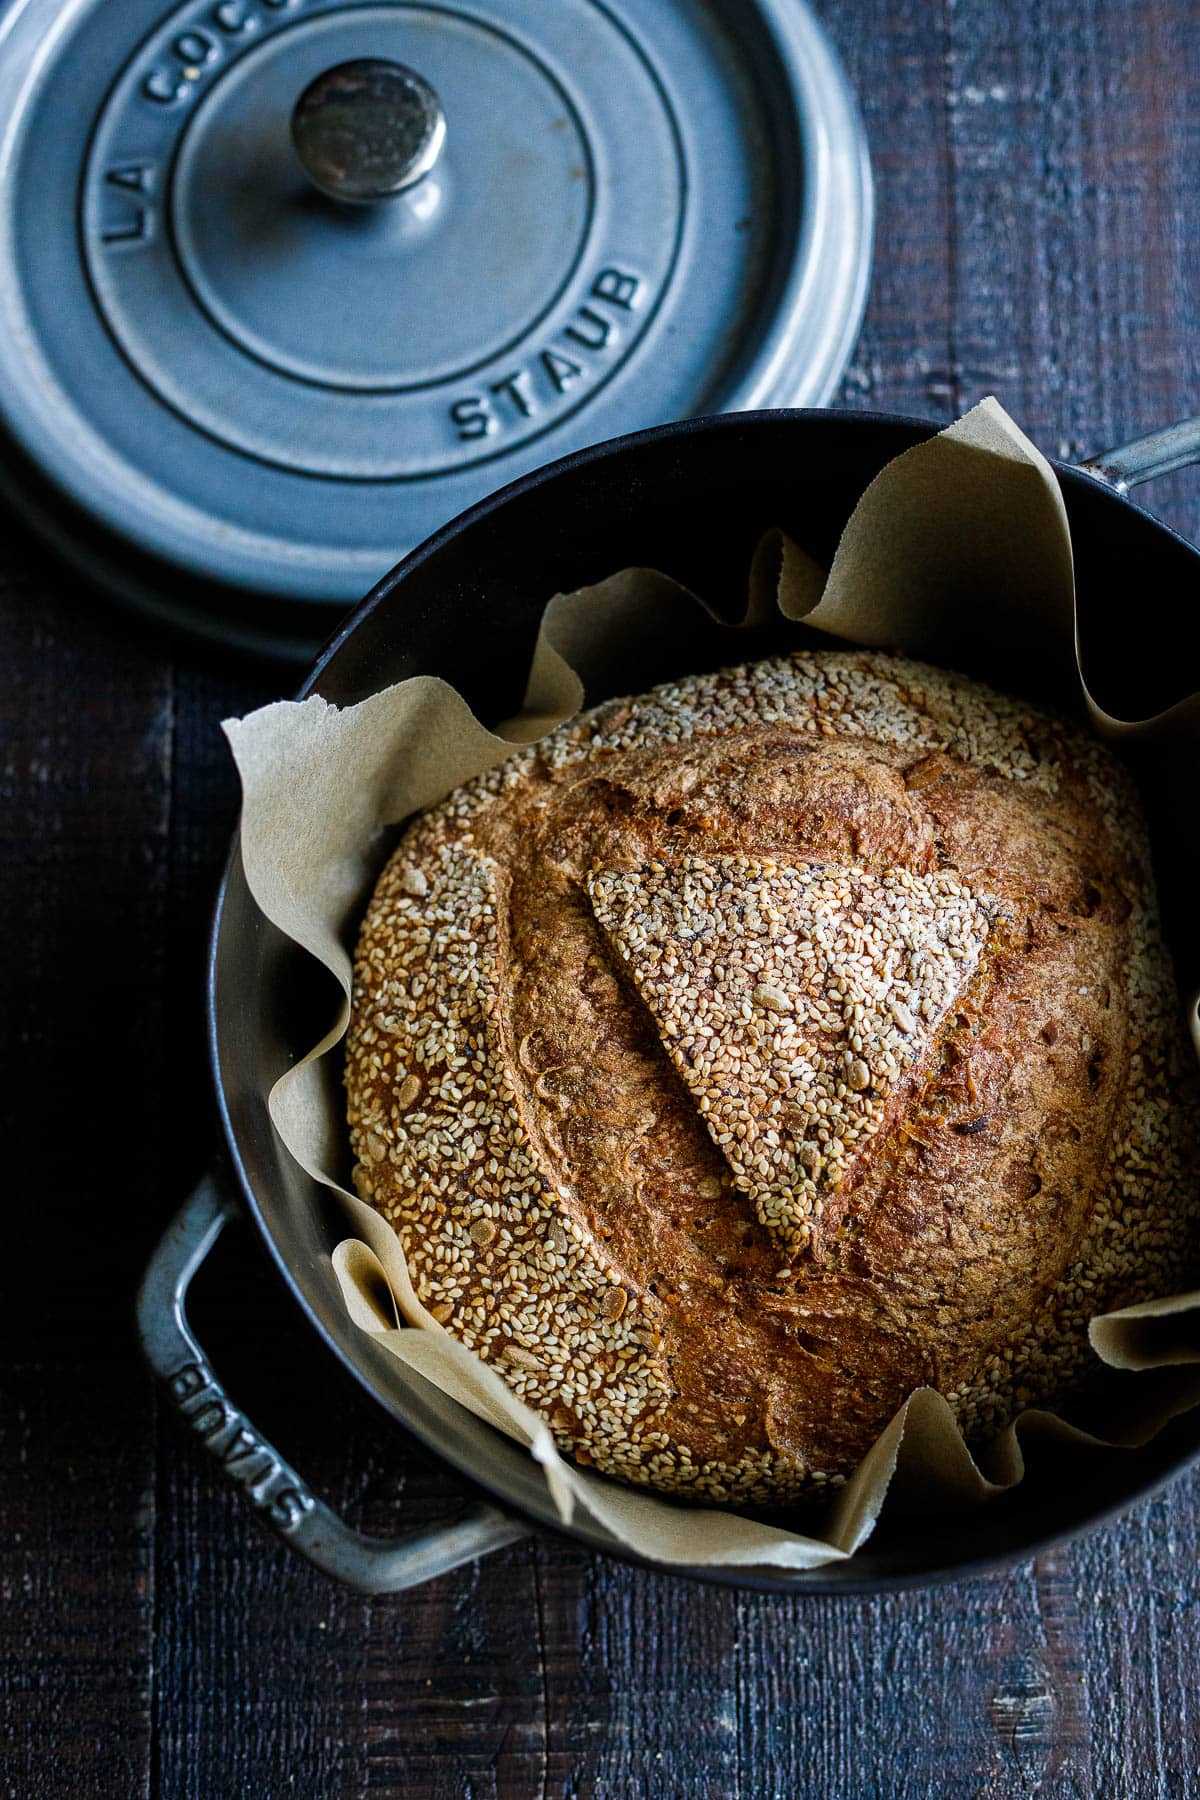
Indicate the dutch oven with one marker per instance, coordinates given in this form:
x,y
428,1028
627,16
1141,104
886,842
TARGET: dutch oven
x,y
690,499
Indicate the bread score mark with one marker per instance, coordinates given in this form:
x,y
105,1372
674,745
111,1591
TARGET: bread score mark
x,y
793,998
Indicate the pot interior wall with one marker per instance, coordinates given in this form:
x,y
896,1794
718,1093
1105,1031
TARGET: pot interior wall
x,y
691,501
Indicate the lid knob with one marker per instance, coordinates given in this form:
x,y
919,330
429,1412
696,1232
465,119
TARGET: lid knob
x,y
367,130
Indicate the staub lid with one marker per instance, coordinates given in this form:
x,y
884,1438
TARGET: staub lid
x,y
286,284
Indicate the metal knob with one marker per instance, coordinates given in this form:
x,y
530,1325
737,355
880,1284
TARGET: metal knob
x,y
367,130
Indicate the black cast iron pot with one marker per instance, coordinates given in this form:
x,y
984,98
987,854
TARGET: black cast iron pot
x,y
691,500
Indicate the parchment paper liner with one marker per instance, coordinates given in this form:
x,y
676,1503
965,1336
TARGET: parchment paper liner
x,y
958,553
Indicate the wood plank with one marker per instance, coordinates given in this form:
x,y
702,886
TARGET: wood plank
x,y
937,1692
893,54
1137,1596
1075,219
642,1682
85,721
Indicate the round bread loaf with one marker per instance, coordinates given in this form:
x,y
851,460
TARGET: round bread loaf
x,y
746,1055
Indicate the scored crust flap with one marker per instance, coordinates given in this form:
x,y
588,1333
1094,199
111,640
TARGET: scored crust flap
x,y
975,512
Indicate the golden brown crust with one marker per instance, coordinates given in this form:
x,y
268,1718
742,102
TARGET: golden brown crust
x,y
748,1054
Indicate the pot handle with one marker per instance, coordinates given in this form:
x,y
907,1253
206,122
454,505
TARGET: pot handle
x,y
282,1499
1174,447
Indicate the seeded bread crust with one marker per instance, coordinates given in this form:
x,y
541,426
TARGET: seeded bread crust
x,y
750,1053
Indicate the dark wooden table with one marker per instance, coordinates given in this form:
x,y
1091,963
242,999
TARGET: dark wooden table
x,y
1039,237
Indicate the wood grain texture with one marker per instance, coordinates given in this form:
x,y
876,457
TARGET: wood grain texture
x,y
1039,237
85,728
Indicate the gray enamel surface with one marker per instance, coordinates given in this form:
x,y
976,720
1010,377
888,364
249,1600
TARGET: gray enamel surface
x,y
636,216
